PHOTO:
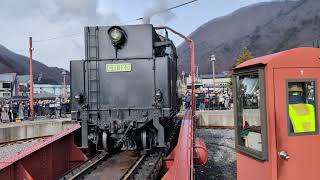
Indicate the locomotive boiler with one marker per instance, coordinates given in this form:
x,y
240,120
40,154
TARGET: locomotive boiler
x,y
124,93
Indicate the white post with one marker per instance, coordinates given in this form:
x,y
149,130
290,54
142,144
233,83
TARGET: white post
x,y
197,73
213,59
64,86
183,74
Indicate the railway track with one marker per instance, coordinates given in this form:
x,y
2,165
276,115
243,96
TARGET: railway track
x,y
85,168
147,167
126,165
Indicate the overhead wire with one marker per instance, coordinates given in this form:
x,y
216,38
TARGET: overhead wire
x,y
174,7
161,11
57,37
124,22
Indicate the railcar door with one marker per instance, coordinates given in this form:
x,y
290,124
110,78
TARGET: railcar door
x,y
297,123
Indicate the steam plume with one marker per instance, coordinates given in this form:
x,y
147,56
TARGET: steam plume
x,y
155,12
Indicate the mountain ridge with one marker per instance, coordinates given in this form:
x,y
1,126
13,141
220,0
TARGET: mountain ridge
x,y
11,62
263,28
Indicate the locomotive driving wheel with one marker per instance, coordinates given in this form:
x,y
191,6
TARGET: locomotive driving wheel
x,y
146,140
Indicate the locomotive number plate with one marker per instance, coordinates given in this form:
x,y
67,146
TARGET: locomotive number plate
x,y
121,67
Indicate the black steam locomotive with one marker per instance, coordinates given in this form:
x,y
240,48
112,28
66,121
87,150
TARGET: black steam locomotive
x,y
124,93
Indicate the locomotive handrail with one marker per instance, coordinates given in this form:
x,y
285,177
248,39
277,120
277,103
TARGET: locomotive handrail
x,y
192,64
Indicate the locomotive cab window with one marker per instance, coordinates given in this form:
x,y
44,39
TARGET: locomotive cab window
x,y
250,117
302,107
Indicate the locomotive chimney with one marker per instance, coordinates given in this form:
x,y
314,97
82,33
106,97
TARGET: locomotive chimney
x,y
146,20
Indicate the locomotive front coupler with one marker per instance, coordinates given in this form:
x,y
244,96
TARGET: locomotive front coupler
x,y
121,140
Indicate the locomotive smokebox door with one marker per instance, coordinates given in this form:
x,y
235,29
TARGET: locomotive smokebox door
x,y
276,116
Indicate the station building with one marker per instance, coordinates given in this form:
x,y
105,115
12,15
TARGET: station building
x,y
8,85
23,82
205,81
13,85
57,90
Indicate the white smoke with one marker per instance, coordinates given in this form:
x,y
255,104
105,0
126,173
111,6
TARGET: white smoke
x,y
77,7
156,14
81,11
45,19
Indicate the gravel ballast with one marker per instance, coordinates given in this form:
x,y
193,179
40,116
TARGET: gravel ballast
x,y
222,155
13,148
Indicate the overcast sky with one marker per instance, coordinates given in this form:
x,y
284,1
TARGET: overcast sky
x,y
45,19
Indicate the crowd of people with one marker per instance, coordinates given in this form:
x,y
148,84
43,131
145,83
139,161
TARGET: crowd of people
x,y
206,100
12,110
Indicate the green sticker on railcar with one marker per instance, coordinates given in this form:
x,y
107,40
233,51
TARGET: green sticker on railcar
x,y
121,67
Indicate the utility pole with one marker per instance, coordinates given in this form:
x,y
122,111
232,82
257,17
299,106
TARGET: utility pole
x,y
213,59
31,80
197,73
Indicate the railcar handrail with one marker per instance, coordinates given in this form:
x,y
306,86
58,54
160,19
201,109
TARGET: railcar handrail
x,y
182,165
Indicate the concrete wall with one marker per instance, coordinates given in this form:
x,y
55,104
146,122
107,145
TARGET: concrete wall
x,y
32,129
215,118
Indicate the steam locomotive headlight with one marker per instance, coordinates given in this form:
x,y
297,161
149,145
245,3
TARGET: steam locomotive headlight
x,y
117,35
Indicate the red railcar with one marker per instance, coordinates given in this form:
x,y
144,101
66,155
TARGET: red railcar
x,y
277,116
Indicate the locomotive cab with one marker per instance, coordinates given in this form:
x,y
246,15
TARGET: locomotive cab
x,y
276,116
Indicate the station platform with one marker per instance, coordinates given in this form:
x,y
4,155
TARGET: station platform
x,y
17,131
40,149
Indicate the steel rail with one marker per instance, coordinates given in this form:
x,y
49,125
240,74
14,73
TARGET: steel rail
x,y
148,168
144,167
83,169
129,173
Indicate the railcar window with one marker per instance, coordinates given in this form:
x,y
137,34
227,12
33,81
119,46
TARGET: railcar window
x,y
6,85
250,113
249,121
302,107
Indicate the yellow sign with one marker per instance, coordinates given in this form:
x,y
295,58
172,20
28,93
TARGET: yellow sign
x,y
121,67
